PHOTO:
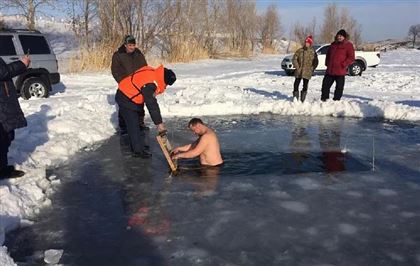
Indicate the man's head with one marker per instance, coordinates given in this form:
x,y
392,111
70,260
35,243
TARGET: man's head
x,y
169,76
129,43
197,126
309,41
341,35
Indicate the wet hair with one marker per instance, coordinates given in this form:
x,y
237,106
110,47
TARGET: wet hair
x,y
195,121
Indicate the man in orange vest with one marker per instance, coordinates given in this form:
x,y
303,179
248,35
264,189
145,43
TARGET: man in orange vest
x,y
128,63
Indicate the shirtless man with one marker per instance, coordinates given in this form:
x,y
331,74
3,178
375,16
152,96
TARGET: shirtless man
x,y
206,146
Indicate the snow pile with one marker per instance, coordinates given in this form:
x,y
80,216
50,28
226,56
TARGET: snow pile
x,y
81,111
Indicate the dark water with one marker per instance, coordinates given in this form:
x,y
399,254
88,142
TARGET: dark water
x,y
292,191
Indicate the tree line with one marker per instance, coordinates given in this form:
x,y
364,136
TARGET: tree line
x,y
182,30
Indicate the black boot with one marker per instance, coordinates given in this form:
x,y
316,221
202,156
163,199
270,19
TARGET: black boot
x,y
303,95
296,95
10,172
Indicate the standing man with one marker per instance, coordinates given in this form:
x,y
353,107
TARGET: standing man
x,y
206,146
137,85
125,61
305,61
339,56
11,115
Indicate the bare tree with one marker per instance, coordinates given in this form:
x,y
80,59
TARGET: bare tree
x,y
269,26
413,32
336,19
82,13
26,8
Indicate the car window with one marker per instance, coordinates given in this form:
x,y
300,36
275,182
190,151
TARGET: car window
x,y
35,44
323,50
6,45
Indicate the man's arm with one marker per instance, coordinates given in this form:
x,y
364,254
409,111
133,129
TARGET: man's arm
x,y
117,69
151,103
181,149
350,55
194,151
8,71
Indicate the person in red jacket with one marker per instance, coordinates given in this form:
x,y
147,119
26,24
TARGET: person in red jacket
x,y
339,56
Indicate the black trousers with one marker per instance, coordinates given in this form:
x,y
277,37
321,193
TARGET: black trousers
x,y
131,119
327,82
297,83
6,139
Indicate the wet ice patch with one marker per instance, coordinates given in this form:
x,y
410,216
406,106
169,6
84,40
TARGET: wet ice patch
x,y
279,194
295,206
355,194
396,256
307,183
347,229
240,186
387,192
407,214
312,231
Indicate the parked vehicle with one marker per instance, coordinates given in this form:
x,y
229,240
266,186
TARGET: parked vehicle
x,y
42,73
363,60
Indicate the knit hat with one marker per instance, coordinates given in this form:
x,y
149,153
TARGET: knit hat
x,y
129,39
169,76
309,40
342,33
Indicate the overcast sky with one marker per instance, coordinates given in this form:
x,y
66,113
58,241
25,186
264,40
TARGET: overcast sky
x,y
380,19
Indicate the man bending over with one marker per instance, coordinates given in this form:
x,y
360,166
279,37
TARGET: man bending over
x,y
206,146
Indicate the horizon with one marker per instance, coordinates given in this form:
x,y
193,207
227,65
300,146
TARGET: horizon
x,y
393,22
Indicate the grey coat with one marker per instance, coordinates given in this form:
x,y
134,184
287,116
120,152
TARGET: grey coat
x,y
11,115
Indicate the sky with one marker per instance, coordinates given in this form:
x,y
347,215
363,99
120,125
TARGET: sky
x,y
380,19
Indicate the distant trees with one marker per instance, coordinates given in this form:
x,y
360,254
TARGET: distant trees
x,y
269,27
413,32
336,19
26,8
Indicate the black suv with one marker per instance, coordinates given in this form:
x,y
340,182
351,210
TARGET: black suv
x,y
43,70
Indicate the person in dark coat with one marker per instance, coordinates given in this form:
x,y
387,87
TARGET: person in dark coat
x,y
127,59
339,56
305,60
125,62
11,115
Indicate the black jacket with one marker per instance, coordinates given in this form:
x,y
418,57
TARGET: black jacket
x,y
124,64
11,115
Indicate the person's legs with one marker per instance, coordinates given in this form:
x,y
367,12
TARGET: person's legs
x,y
296,88
4,147
326,85
304,90
339,87
136,136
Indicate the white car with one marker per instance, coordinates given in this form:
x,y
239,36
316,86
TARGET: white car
x,y
362,61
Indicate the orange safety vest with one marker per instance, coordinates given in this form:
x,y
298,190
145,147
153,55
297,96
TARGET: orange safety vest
x,y
132,85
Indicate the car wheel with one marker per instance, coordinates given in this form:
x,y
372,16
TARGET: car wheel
x,y
34,87
356,69
290,72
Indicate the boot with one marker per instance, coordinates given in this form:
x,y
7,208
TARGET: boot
x,y
10,172
296,95
303,95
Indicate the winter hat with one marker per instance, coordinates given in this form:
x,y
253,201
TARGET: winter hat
x,y
309,40
129,39
169,76
342,33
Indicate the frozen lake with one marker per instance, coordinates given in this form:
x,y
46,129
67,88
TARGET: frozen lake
x,y
293,191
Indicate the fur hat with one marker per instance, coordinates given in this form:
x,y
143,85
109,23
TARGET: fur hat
x,y
129,39
309,40
342,33
169,76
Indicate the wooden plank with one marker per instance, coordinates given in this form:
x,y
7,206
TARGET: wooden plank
x,y
166,147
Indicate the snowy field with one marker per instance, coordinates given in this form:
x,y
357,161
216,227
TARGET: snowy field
x,y
81,111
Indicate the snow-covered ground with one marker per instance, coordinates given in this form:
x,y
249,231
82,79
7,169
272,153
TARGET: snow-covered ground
x,y
81,111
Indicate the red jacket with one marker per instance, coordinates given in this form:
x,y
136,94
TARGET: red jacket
x,y
131,86
339,56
